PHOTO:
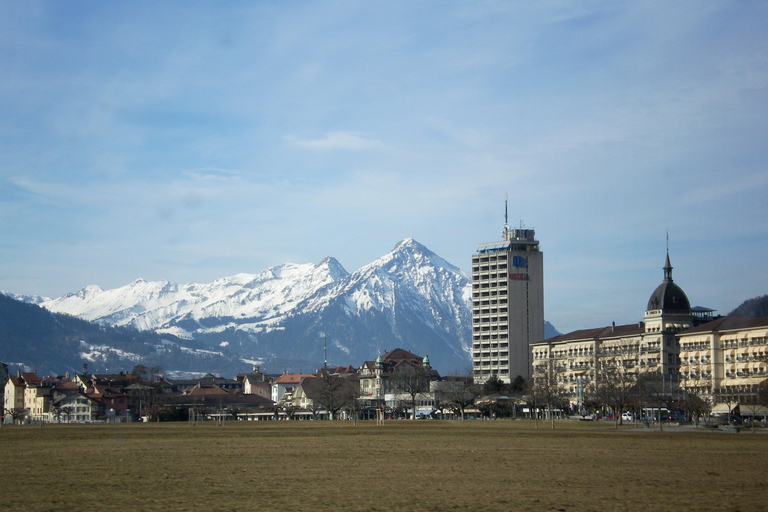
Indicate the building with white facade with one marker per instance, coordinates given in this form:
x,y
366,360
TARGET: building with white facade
x,y
649,347
726,360
507,305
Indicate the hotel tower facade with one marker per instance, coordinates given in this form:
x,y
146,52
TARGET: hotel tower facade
x,y
507,304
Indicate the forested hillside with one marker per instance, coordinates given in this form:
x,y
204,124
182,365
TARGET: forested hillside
x,y
52,344
752,308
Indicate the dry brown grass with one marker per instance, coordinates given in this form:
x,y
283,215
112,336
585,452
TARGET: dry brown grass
x,y
423,465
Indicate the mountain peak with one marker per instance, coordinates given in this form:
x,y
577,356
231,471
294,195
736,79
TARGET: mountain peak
x,y
90,290
414,254
408,243
335,269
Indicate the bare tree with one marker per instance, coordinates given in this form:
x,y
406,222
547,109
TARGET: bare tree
x,y
290,410
330,391
458,392
16,413
694,406
545,391
760,403
154,373
615,386
652,391
412,381
57,412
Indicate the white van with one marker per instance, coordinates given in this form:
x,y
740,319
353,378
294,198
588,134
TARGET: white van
x,y
627,416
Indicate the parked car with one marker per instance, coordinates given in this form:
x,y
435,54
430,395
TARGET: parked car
x,y
627,416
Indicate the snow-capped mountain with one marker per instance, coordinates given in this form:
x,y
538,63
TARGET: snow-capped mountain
x,y
159,305
410,298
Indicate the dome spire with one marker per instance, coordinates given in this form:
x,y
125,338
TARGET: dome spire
x,y
667,265
667,270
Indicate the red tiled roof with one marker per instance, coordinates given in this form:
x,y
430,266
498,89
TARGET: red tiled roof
x,y
66,385
292,378
206,390
17,381
31,378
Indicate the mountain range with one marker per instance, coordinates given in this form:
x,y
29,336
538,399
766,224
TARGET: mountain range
x,y
294,316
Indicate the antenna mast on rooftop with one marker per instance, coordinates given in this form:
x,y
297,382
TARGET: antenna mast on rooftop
x,y
506,218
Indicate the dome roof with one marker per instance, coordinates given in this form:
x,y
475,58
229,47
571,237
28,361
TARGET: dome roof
x,y
669,297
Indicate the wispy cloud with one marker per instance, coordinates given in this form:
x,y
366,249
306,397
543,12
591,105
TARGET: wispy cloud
x,y
722,190
255,134
341,140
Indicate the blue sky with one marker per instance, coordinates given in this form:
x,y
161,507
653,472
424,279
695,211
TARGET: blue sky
x,y
190,141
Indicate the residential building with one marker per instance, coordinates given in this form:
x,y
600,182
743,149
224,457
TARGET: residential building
x,y
257,383
220,402
381,381
339,386
286,383
37,396
507,304
14,393
78,407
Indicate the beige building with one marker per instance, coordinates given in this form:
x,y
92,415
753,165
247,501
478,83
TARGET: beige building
x,y
13,394
375,377
507,305
726,360
649,346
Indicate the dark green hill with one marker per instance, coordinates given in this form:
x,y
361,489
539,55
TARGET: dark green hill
x,y
53,344
752,308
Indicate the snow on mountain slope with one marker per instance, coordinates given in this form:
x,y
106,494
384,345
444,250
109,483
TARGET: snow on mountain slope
x,y
411,273
156,305
410,297
28,299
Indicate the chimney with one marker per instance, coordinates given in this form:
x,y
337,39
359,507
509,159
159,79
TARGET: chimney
x,y
85,369
613,326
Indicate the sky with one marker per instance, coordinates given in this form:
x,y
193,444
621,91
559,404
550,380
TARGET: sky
x,y
190,141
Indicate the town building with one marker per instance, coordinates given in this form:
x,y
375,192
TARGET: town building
x,y
286,384
13,396
651,346
725,361
257,383
386,382
78,407
507,304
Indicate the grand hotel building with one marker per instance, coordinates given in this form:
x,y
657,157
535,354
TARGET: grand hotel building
x,y
649,346
724,360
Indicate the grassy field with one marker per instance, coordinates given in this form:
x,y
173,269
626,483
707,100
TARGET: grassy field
x,y
422,465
